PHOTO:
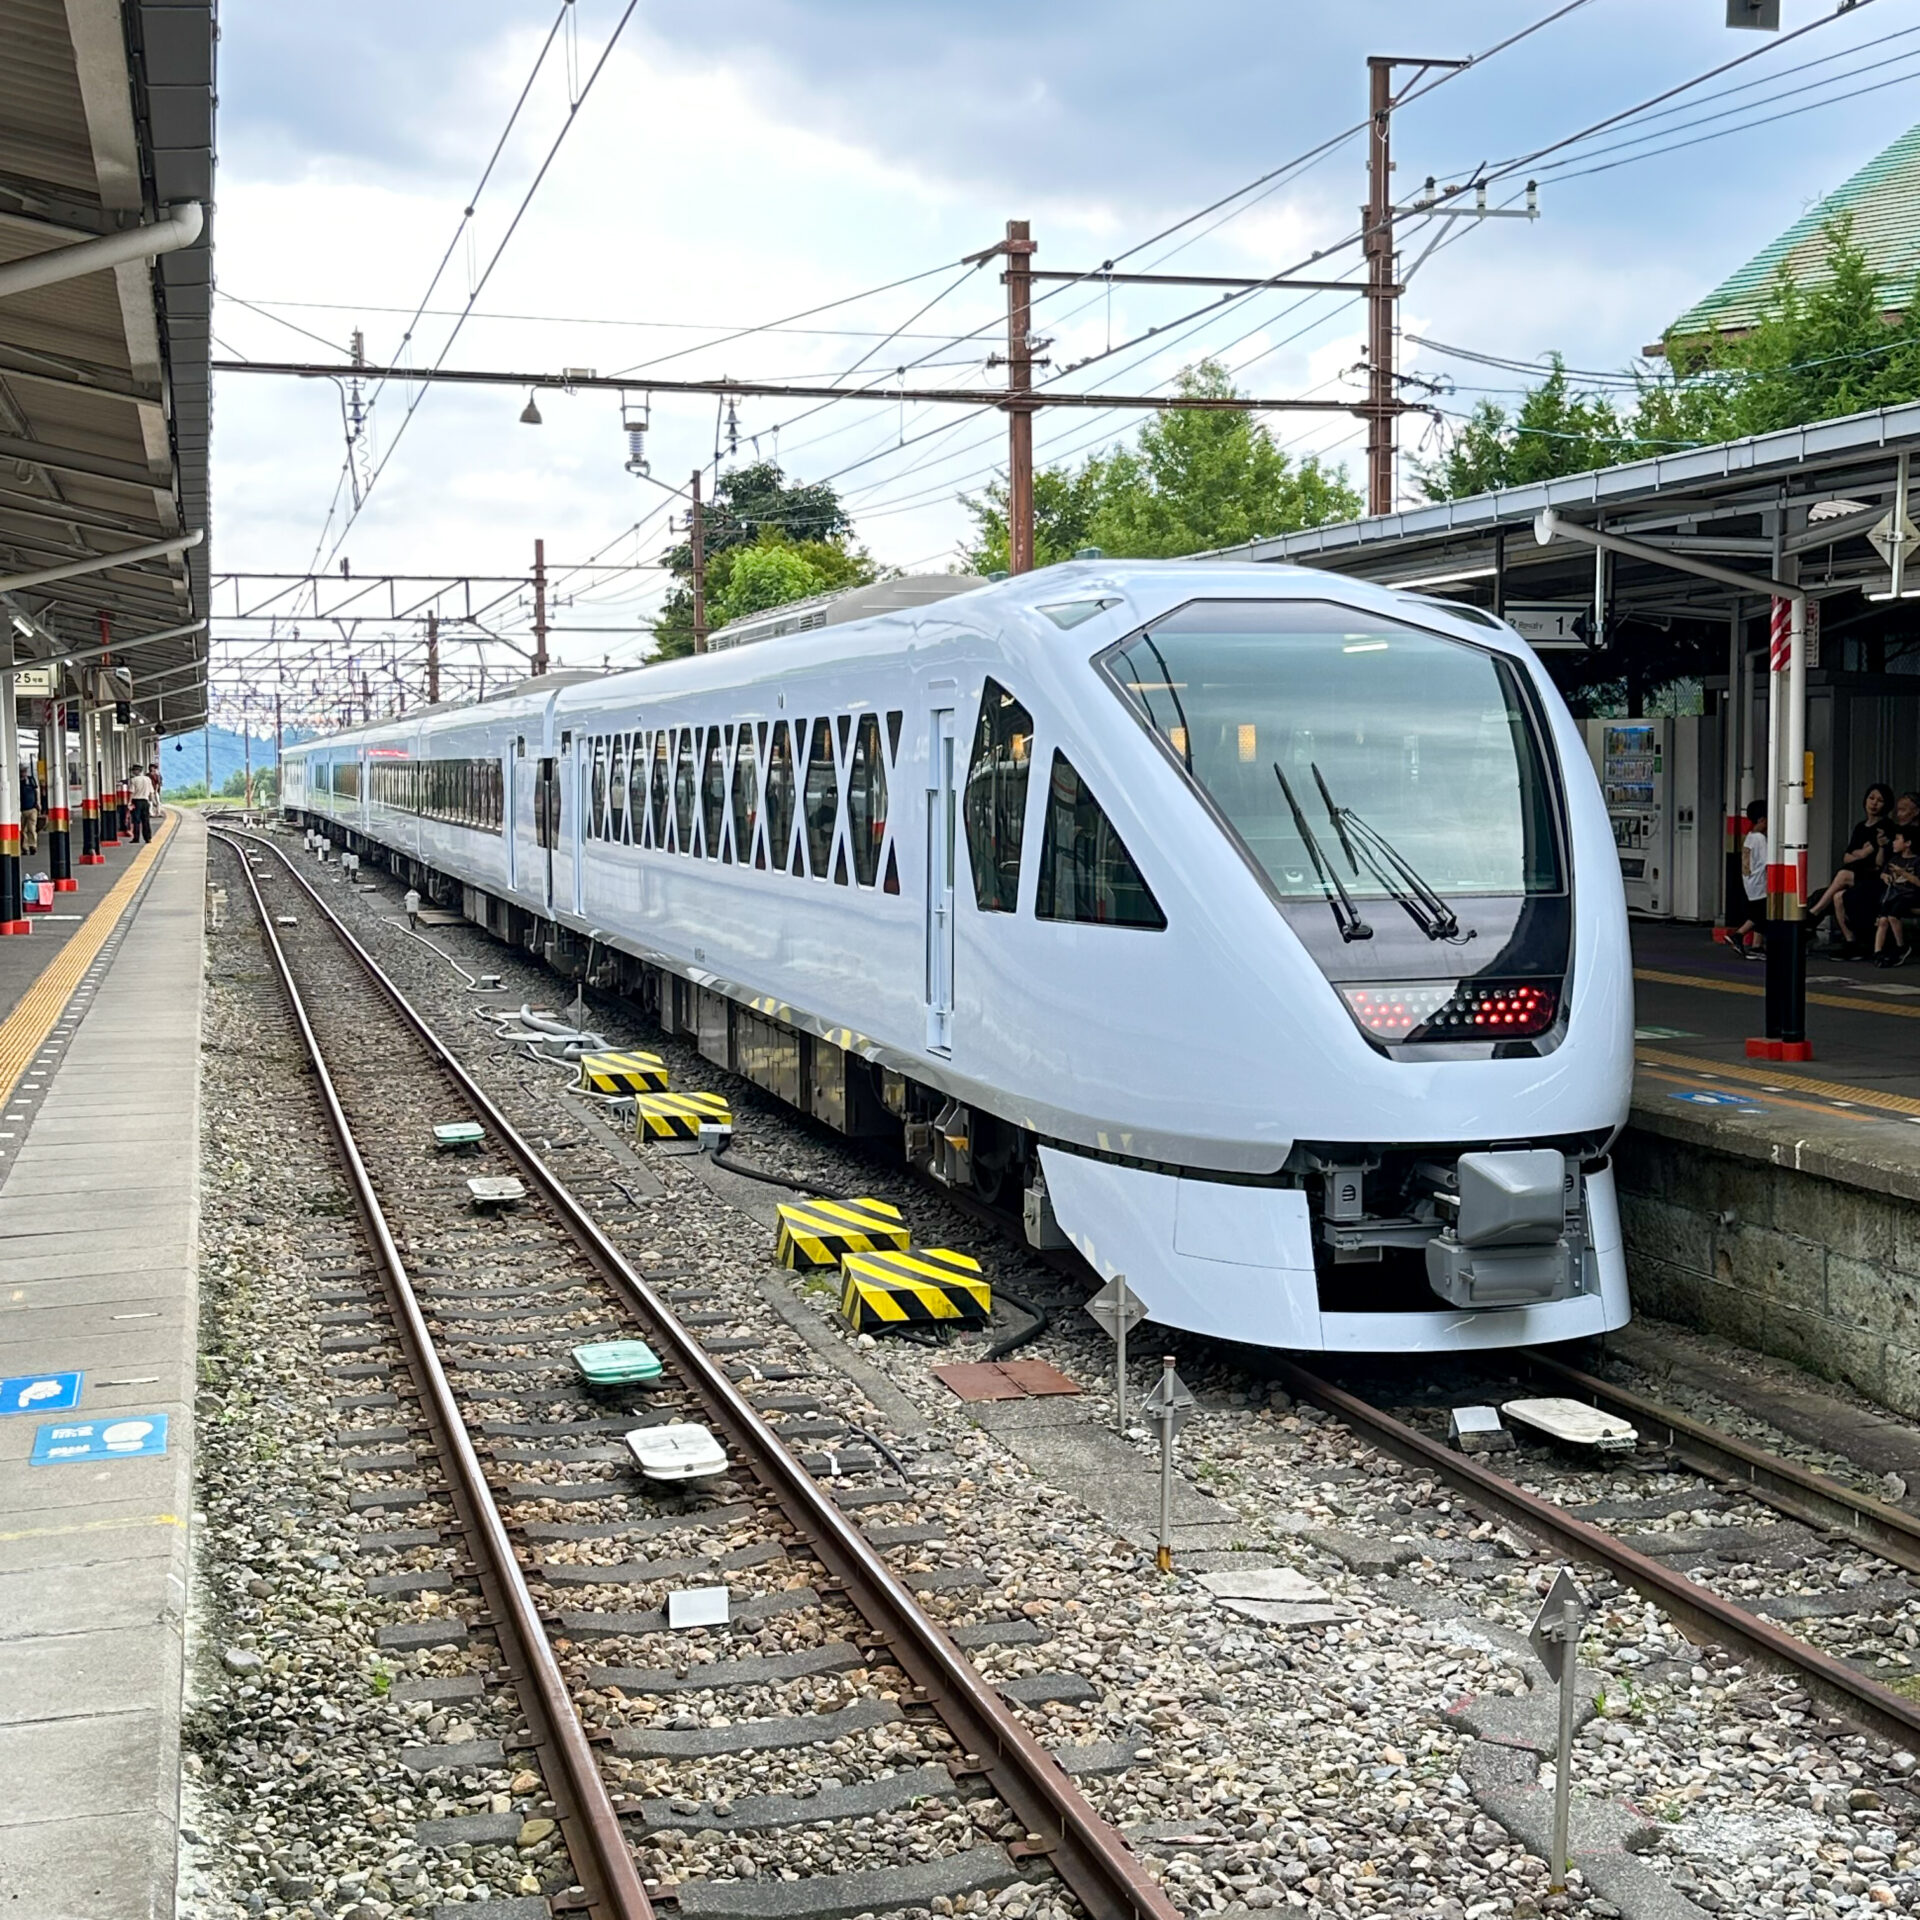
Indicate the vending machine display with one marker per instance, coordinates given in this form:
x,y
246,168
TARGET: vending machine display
x,y
1634,776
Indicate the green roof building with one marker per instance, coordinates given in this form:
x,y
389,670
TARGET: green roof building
x,y
1884,200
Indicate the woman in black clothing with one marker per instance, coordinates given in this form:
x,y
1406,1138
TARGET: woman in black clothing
x,y
1853,894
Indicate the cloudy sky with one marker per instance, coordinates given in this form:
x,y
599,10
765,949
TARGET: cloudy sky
x,y
743,161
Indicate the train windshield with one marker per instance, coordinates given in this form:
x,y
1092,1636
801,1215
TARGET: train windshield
x,y
1345,747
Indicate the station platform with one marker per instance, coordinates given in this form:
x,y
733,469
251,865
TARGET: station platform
x,y
99,1183
1852,1112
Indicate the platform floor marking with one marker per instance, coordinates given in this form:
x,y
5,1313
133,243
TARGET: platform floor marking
x,y
1755,990
1772,1101
1770,1079
32,1019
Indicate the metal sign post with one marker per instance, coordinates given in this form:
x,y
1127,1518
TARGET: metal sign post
x,y
1115,1310
1169,1405
1555,1637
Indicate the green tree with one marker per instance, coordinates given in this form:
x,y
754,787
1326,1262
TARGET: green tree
x,y
749,579
1063,506
1815,353
1554,431
1197,478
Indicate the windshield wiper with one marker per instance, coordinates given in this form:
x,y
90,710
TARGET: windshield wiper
x,y
1346,916
1366,845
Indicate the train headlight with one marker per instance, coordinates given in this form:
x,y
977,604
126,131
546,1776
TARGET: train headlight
x,y
1447,1010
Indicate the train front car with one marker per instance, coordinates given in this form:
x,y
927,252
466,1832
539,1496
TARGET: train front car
x,y
1358,1017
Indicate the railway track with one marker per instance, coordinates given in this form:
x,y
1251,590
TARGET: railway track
x,y
479,1312
1802,1517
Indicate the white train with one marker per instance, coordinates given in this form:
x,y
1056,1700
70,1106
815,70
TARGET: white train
x,y
1258,932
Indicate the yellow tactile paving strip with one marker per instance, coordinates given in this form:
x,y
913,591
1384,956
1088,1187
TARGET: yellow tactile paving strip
x,y
1771,1079
24,1031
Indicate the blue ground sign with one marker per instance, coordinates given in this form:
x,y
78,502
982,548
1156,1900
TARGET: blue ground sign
x,y
39,1392
1701,1098
125,1436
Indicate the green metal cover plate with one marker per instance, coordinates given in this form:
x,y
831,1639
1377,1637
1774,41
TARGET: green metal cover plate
x,y
459,1133
617,1362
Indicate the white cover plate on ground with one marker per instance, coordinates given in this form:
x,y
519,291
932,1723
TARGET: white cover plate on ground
x,y
1262,1583
697,1607
681,1451
1573,1423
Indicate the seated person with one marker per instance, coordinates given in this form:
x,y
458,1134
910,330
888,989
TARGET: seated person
x,y
1852,896
1900,896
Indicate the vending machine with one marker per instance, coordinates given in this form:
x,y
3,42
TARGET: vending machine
x,y
1634,759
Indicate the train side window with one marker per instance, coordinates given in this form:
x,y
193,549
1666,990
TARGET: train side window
x,y
684,783
893,737
1086,873
746,796
617,790
867,800
780,796
996,798
822,798
662,747
597,817
713,792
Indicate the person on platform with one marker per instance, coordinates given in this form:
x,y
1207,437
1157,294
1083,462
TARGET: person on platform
x,y
1852,896
1900,896
140,795
1748,939
29,808
153,774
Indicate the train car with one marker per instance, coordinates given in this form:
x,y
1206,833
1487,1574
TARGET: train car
x,y
1257,932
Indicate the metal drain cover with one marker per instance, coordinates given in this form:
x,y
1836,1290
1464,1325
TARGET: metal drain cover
x,y
1574,1424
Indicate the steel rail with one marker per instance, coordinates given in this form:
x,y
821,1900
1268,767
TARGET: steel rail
x,y
588,1821
1087,1853
1701,1612
1801,1494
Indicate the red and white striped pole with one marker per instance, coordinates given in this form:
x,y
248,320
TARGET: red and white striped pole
x,y
1786,999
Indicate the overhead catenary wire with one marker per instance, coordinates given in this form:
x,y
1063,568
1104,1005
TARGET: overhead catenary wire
x,y
513,226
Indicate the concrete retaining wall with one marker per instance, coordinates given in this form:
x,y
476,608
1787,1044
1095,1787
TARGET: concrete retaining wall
x,y
1817,1262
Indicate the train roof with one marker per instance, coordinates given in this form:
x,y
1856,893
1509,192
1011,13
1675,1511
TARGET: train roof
x,y
1053,600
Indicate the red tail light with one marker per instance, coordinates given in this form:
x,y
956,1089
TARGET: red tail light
x,y
1444,1010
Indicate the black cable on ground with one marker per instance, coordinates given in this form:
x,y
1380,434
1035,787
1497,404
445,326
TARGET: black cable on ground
x,y
886,1452
1041,1321
723,1157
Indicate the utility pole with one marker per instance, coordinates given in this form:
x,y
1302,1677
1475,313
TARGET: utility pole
x,y
1383,408
697,529
433,659
539,606
1019,283
278,742
1377,228
1018,247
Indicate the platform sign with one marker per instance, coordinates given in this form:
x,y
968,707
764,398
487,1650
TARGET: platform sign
x,y
40,1392
125,1436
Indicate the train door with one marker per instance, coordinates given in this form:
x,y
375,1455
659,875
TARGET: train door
x,y
546,823
510,816
943,809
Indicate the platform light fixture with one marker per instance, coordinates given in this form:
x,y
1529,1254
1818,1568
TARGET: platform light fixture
x,y
530,413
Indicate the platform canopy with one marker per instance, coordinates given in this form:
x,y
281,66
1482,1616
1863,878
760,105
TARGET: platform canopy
x,y
106,137
1805,500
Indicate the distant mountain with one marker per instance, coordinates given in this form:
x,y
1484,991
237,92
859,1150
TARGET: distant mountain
x,y
183,757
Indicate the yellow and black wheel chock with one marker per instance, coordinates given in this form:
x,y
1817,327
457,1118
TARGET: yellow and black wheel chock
x,y
679,1116
820,1233
929,1286
622,1073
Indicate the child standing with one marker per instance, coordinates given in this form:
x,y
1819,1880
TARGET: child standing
x,y
1753,877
